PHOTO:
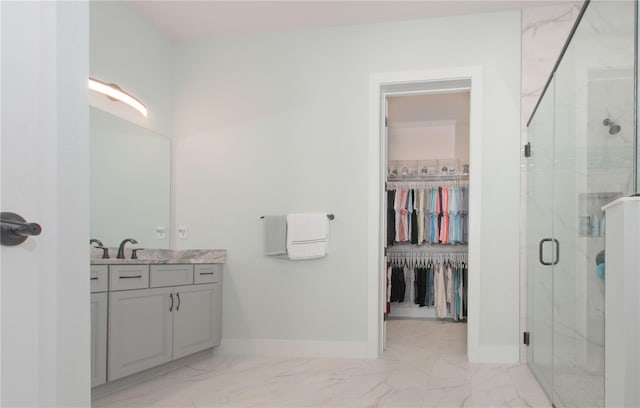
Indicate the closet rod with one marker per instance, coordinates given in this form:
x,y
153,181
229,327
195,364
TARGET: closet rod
x,y
457,249
329,216
448,177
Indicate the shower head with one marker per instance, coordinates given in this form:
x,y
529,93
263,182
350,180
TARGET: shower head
x,y
614,128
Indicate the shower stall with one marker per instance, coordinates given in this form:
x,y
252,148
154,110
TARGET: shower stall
x,y
583,154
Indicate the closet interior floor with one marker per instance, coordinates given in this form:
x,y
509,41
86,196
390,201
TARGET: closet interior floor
x,y
425,365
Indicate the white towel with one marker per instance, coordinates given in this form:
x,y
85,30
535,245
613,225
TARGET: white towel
x,y
307,235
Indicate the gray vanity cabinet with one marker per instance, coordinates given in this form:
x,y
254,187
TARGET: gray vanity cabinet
x,y
140,330
157,313
98,338
98,278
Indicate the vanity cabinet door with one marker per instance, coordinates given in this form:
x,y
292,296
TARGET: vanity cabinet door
x,y
140,330
98,339
194,319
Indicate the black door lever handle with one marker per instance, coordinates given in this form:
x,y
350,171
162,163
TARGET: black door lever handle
x,y
14,229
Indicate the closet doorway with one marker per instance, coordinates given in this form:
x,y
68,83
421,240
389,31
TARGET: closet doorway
x,y
428,142
427,191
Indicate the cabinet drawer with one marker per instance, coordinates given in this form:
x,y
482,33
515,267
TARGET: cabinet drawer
x,y
125,277
171,275
207,273
98,275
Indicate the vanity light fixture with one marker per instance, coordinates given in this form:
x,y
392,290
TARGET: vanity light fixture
x,y
114,92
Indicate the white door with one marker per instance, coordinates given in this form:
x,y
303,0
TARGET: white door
x,y
44,287
194,319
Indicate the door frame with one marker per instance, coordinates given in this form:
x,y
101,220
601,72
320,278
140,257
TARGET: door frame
x,y
380,84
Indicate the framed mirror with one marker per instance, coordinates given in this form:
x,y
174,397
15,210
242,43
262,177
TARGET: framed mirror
x,y
130,182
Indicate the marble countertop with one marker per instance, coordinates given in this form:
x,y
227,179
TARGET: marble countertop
x,y
161,256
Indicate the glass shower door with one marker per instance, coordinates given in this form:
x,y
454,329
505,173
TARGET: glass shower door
x,y
539,229
582,157
593,165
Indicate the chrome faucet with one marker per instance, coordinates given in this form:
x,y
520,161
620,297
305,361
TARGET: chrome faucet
x,y
121,248
100,245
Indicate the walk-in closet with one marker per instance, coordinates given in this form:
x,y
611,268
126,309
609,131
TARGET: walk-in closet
x,y
427,207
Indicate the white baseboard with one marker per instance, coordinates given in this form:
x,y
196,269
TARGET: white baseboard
x,y
293,348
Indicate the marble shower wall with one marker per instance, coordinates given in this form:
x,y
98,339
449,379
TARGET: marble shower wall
x,y
544,32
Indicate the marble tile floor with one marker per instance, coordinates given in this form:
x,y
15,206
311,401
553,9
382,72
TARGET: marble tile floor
x,y
425,365
579,389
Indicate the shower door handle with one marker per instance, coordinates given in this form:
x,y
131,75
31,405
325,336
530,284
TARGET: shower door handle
x,y
541,250
557,253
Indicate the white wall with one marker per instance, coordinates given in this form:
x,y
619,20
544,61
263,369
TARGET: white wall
x,y
432,126
128,51
429,140
279,123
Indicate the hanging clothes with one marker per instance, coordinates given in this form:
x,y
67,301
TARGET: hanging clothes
x,y
453,215
440,292
465,302
391,218
417,279
398,287
465,212
459,292
420,283
388,288
409,278
431,282
449,285
433,215
396,207
409,208
420,211
414,219
404,228
444,219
